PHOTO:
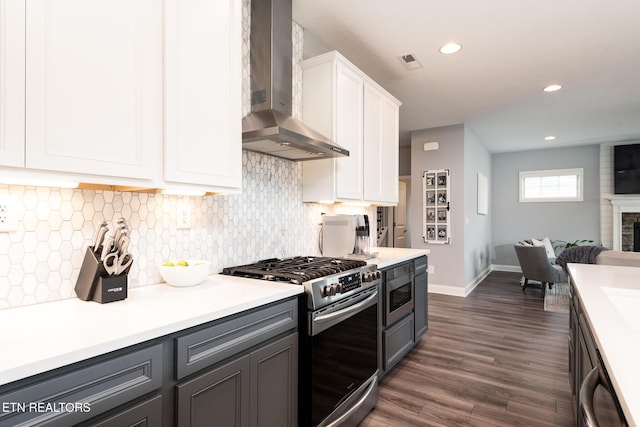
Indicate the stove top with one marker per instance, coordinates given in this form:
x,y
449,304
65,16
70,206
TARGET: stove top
x,y
295,270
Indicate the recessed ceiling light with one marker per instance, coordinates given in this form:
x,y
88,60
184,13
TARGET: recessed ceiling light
x,y
549,138
450,48
552,88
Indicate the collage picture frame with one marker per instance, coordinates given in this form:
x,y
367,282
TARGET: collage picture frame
x,y
436,206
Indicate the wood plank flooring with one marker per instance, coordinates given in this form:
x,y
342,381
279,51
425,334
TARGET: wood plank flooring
x,y
495,358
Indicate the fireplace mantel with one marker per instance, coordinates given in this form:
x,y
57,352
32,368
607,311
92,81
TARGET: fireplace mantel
x,y
620,205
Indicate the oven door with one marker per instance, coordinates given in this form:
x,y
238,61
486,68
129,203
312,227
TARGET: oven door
x,y
344,361
398,298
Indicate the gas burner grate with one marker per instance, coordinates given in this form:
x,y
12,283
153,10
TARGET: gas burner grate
x,y
294,270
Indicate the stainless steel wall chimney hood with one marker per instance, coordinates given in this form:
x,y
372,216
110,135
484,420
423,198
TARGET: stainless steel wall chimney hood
x,y
270,128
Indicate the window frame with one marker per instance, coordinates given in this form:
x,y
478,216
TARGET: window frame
x,y
579,172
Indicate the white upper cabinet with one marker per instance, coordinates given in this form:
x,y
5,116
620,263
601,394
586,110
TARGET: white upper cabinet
x,y
12,82
350,108
94,87
381,132
349,132
203,93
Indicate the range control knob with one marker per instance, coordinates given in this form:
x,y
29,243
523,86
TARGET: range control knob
x,y
370,277
331,290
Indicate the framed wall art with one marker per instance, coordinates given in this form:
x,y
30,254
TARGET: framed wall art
x,y
436,210
483,194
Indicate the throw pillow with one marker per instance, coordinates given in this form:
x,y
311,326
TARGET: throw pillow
x,y
548,247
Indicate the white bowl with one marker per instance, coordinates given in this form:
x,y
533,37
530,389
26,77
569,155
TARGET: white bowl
x,y
193,274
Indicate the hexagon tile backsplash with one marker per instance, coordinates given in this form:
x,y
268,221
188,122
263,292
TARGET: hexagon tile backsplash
x,y
40,262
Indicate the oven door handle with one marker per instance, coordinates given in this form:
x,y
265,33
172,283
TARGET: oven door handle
x,y
346,311
357,405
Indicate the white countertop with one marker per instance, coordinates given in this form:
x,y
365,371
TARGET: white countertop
x,y
390,256
610,296
42,337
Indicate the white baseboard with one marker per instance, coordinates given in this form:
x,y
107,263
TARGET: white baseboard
x,y
446,290
475,282
463,292
511,268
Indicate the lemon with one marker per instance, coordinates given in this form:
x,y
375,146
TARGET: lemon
x,y
168,264
182,263
199,263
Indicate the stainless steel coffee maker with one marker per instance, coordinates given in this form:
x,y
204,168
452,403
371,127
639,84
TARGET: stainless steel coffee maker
x,y
346,236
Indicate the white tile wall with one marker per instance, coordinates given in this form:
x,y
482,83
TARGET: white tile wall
x,y
40,262
606,189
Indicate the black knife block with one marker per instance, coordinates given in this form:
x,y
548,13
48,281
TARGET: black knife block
x,y
94,283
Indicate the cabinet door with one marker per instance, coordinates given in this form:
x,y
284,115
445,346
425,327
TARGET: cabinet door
x,y
373,101
221,394
349,133
94,86
380,146
389,150
203,110
274,393
12,82
421,304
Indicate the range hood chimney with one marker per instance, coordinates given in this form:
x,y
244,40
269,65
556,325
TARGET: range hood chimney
x,y
271,128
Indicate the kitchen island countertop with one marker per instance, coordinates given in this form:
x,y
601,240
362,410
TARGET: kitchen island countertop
x,y
610,296
42,337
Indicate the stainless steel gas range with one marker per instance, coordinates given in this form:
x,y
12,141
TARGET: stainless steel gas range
x,y
339,362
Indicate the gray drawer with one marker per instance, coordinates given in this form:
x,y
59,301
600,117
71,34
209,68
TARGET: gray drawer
x,y
198,350
420,264
145,414
397,341
95,389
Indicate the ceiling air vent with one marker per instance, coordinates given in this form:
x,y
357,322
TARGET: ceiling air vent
x,y
411,61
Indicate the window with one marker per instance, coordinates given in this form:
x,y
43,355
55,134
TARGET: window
x,y
556,185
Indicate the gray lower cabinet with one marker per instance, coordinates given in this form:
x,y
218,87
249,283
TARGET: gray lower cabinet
x,y
84,391
258,389
221,394
401,330
583,358
238,371
421,316
274,387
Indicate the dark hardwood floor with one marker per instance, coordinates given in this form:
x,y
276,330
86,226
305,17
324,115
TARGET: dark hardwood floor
x,y
495,358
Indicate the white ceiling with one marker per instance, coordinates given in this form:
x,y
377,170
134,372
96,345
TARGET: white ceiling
x,y
511,50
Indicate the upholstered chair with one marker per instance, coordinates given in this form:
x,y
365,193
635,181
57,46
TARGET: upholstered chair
x,y
536,265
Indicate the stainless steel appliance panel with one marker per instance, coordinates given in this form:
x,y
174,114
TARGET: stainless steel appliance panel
x,y
398,293
343,358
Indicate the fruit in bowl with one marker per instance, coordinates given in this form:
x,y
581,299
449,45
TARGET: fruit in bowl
x,y
185,272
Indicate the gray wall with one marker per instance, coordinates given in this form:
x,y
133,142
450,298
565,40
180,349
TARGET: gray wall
x,y
447,260
568,221
477,228
404,161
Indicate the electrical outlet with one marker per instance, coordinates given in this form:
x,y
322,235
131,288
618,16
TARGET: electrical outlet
x,y
183,215
431,269
8,214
